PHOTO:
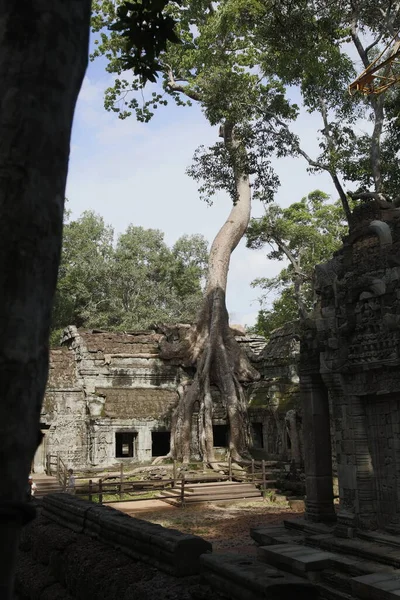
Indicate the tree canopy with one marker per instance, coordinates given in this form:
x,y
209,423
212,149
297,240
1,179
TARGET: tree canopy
x,y
241,59
129,284
303,235
319,46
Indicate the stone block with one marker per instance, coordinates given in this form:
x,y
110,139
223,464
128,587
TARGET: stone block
x,y
347,475
244,578
168,549
377,586
295,558
265,536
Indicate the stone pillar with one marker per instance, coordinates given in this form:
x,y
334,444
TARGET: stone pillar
x,y
317,449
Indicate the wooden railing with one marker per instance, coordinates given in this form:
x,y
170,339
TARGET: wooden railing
x,y
252,471
56,466
136,490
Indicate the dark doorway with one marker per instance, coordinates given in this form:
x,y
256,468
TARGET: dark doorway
x,y
257,431
125,444
220,434
160,442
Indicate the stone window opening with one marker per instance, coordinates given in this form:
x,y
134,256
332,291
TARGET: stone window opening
x,y
257,431
125,444
221,436
160,443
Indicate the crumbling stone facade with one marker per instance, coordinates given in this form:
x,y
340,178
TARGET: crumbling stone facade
x,y
110,398
352,353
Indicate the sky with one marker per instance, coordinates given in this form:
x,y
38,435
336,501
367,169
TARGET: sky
x,y
134,173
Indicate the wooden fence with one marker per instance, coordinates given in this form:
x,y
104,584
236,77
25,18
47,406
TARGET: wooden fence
x,y
256,472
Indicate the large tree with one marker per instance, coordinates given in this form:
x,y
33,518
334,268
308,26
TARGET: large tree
x,y
302,235
130,284
214,66
43,50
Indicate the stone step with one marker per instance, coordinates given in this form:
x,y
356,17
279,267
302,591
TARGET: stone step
x,y
275,534
239,578
377,586
329,593
357,547
216,486
295,558
380,538
336,581
307,526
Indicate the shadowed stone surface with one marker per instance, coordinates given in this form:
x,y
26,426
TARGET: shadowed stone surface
x,y
247,579
168,549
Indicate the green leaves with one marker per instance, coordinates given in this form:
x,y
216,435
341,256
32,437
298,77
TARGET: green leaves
x,y
145,27
303,235
128,284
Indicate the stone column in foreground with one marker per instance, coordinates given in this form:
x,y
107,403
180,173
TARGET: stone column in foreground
x,y
317,449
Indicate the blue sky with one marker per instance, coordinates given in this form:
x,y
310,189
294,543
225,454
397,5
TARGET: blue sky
x,y
130,172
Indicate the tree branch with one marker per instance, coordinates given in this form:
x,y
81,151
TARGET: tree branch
x,y
283,248
332,172
183,89
355,37
390,17
379,196
373,44
311,162
317,165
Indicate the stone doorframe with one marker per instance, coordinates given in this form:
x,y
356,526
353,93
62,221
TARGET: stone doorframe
x,y
317,449
39,461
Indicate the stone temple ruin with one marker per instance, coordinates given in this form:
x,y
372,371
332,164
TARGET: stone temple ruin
x,y
350,386
110,398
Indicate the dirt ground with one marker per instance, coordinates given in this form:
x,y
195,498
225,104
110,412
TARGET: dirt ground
x,y
226,526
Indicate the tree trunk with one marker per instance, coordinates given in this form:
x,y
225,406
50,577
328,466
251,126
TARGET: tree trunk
x,y
43,57
378,106
212,347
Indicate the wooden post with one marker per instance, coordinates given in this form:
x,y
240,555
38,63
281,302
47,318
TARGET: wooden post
x,y
252,470
90,490
264,483
121,477
100,491
230,468
183,491
58,466
174,476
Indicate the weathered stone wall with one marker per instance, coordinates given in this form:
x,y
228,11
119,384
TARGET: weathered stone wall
x,y
59,563
76,550
275,399
103,385
355,348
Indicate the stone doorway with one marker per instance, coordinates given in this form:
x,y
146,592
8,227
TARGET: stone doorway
x,y
221,436
39,462
257,435
160,443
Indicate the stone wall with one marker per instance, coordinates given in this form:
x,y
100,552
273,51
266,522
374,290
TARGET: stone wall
x,y
76,550
275,399
110,397
353,351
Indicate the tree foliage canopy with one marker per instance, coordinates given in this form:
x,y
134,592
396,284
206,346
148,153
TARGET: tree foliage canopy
x,y
217,65
304,234
129,284
241,58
